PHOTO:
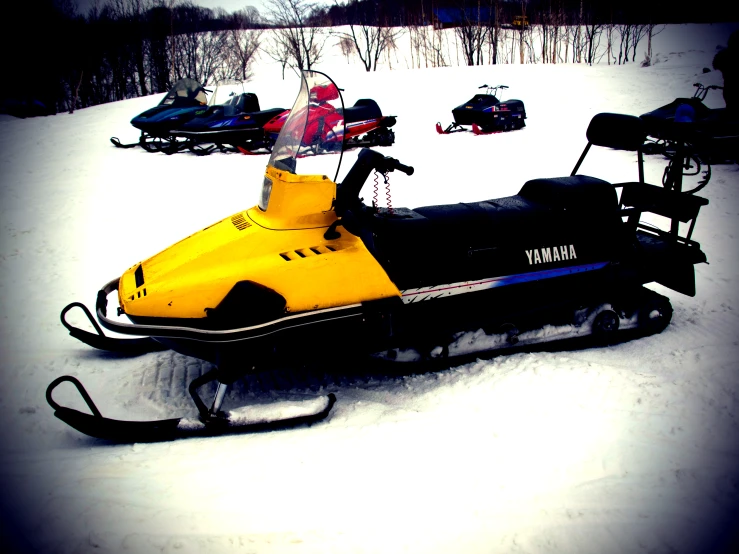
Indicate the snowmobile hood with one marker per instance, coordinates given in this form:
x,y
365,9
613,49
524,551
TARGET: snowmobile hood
x,y
195,275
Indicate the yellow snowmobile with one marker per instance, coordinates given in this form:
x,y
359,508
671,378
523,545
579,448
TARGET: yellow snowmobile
x,y
313,271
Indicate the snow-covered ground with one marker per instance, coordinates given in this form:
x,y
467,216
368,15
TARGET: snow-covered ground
x,y
631,448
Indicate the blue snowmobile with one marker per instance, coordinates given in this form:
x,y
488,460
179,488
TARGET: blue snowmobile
x,y
184,101
233,119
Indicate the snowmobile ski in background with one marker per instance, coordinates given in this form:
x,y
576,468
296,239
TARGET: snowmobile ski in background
x,y
320,274
233,119
712,133
184,101
364,124
484,114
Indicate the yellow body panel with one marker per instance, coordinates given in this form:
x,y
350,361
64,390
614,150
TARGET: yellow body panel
x,y
288,255
297,201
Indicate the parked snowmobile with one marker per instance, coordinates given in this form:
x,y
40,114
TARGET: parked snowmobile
x,y
484,114
233,119
713,133
364,124
186,99
311,271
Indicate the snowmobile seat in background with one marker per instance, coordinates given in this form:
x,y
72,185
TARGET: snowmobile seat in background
x,y
617,131
246,102
364,108
265,115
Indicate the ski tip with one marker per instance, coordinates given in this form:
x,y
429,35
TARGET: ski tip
x,y
439,129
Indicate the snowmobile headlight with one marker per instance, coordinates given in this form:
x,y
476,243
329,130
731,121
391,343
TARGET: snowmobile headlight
x,y
266,192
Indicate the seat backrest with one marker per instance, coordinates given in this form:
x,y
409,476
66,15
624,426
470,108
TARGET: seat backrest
x,y
618,131
615,130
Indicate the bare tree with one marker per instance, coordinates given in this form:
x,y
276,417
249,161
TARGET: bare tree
x,y
472,31
297,40
650,33
370,42
592,35
243,43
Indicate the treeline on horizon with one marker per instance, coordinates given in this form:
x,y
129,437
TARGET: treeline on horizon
x,y
127,48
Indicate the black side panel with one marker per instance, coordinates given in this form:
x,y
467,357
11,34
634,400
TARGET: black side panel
x,y
668,263
247,303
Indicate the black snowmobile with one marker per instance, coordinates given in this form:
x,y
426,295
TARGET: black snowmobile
x,y
485,113
233,119
186,99
713,133
312,271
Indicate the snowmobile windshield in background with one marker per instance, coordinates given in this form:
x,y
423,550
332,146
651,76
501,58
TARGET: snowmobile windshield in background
x,y
315,126
232,95
185,92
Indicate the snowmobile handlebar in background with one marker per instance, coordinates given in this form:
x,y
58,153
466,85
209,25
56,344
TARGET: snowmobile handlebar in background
x,y
702,90
347,194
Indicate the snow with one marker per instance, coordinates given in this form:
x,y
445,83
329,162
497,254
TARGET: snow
x,y
630,448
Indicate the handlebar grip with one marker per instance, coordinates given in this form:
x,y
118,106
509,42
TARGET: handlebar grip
x,y
407,169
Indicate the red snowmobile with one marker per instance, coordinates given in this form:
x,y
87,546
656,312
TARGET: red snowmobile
x,y
362,125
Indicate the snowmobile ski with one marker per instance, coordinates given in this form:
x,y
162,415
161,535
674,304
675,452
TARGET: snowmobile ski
x,y
210,423
117,142
101,341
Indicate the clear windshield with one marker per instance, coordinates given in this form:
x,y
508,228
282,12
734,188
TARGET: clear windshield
x,y
315,126
187,91
232,95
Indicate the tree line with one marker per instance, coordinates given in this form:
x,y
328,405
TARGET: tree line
x,y
127,48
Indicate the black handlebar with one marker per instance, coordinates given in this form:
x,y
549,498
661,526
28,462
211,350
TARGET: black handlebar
x,y
407,169
390,164
347,193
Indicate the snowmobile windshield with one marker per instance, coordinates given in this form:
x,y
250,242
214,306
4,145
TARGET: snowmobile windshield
x,y
185,92
232,95
315,126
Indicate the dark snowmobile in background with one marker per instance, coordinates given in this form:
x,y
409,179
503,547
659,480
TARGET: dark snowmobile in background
x,y
27,107
485,113
183,102
233,119
312,272
713,133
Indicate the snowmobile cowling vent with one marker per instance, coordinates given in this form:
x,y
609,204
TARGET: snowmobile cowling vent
x,y
240,222
305,252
